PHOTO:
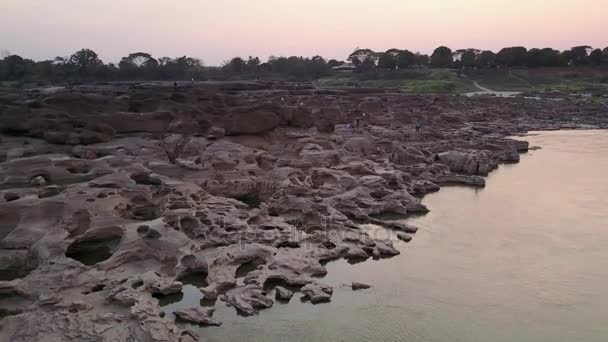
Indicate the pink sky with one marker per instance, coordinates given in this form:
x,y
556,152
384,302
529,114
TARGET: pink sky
x,y
217,30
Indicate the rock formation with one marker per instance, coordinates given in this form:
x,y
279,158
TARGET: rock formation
x,y
113,194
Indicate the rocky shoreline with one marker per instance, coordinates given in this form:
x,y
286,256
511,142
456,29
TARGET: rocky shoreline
x,y
113,194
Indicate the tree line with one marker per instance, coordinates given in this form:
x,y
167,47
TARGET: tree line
x,y
444,57
85,65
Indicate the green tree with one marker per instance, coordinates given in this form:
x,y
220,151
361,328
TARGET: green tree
x,y
422,60
359,56
442,58
468,58
486,59
85,62
138,65
235,66
512,56
579,55
596,57
387,61
333,63
14,68
405,59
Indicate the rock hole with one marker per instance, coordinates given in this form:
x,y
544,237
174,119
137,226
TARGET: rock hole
x,y
137,284
248,267
252,200
95,248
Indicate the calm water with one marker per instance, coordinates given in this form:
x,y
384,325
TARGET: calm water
x,y
525,259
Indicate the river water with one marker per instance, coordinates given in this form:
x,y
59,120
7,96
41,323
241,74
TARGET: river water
x,y
525,259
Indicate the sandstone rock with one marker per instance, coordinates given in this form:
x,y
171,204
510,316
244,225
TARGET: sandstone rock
x,y
283,294
317,293
10,196
248,299
83,152
250,121
359,286
404,237
198,315
474,181
38,181
49,191
470,163
216,133
160,195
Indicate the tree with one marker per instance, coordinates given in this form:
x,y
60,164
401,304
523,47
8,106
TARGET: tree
x,y
512,56
468,58
486,59
333,63
387,61
580,55
361,55
235,66
596,57
14,68
138,65
85,62
405,59
552,58
567,56
253,63
422,60
442,58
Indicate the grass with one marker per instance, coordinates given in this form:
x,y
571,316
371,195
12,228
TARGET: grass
x,y
567,80
409,81
580,80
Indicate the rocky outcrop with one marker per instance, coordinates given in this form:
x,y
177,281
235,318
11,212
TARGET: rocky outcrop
x,y
469,162
110,201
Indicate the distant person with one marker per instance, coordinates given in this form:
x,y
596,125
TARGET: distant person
x,y
418,125
175,86
193,81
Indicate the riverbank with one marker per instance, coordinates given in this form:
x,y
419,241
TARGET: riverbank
x,y
247,186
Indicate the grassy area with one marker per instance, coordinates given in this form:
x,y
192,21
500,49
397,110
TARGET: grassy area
x,y
501,80
567,80
409,81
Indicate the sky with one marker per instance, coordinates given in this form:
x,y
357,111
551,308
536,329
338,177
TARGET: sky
x,y
217,30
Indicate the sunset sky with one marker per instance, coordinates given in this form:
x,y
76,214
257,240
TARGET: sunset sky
x,y
218,30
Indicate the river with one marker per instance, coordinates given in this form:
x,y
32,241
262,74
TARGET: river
x,y
524,259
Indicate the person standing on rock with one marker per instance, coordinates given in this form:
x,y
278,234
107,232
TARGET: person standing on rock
x,y
418,125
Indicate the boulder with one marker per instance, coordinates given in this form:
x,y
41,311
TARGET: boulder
x,y
253,121
317,293
199,315
49,191
359,286
283,294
